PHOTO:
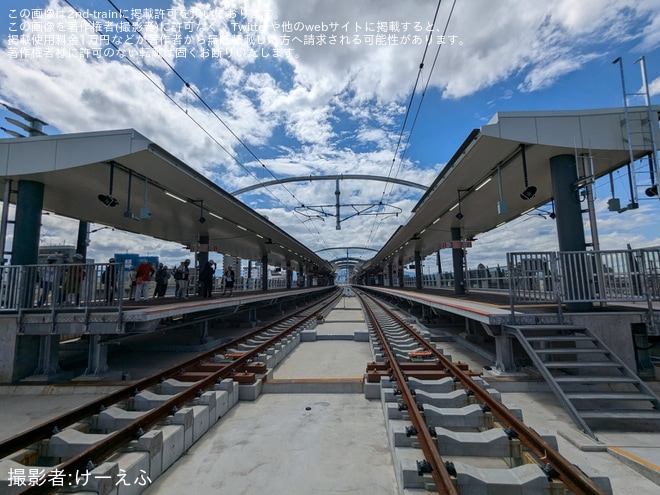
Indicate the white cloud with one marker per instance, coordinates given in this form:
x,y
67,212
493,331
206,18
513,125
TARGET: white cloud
x,y
518,235
544,76
654,87
334,109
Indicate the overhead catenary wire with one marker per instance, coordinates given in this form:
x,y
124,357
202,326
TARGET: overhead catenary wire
x,y
375,224
177,104
201,100
197,122
421,100
412,96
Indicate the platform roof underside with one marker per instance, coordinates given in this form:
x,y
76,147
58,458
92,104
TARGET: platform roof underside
x,y
600,136
76,168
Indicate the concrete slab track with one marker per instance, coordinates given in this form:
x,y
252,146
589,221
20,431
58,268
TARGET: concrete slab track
x,y
321,442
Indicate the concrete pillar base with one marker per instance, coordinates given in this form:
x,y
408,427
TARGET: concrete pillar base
x,y
49,349
97,357
504,354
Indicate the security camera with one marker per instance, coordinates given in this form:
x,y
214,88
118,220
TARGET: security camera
x,y
108,200
528,193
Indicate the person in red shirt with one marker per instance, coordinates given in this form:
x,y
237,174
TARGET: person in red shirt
x,y
144,273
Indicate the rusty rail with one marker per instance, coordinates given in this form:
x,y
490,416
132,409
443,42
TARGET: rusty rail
x,y
438,471
115,440
568,473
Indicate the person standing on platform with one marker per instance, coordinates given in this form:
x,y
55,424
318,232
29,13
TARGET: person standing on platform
x,y
230,277
143,280
177,275
47,279
132,277
182,275
75,275
206,279
109,279
162,277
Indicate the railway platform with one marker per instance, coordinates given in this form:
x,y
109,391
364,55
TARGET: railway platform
x,y
33,340
312,431
480,316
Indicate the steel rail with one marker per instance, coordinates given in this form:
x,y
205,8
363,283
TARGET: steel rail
x,y
568,473
117,439
438,471
44,430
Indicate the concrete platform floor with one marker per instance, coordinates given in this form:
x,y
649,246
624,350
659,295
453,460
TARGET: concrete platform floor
x,y
277,445
289,444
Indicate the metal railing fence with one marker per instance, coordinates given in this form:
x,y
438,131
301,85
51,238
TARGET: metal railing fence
x,y
492,279
561,277
54,286
631,275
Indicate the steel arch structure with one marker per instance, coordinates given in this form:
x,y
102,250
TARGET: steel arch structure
x,y
346,248
346,261
321,210
330,177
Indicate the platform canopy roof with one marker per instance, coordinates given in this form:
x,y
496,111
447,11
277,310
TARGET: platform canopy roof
x,y
487,173
76,168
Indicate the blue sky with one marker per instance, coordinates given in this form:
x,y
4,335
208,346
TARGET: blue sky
x,y
303,103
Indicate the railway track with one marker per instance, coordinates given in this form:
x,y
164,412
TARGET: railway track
x,y
396,343
70,451
437,438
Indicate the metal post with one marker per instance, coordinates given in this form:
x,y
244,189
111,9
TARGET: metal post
x,y
204,332
264,272
418,270
652,122
458,262
588,171
5,220
595,241
631,169
524,164
97,356
557,285
504,356
337,206
83,238
512,285
289,274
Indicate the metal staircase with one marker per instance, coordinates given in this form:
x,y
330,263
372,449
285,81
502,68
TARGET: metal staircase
x,y
586,376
